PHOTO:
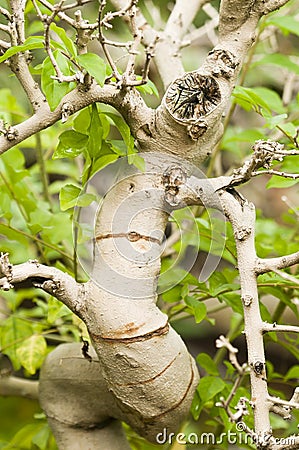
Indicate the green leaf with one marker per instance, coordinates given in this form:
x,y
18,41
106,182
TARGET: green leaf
x,y
197,308
124,130
102,162
286,24
209,387
148,88
30,43
95,133
233,300
68,43
31,353
196,406
280,182
81,122
262,100
271,98
14,331
53,90
70,197
293,373
277,59
205,361
173,295
94,65
273,121
56,310
23,438
41,438
71,144
137,161
218,284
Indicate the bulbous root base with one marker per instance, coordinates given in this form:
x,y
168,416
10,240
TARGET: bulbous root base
x,y
84,413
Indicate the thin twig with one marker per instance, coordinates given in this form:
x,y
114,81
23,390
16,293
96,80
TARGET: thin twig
x,y
109,58
40,241
5,13
293,176
75,5
5,28
222,341
286,276
5,45
269,327
43,172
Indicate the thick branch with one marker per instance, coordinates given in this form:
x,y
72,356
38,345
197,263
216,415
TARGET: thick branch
x,y
73,102
84,411
189,121
282,262
50,279
170,42
170,39
18,387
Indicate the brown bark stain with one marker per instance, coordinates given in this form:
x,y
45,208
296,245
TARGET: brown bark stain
x,y
127,330
128,340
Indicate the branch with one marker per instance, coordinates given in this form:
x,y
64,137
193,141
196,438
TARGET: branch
x,y
74,23
241,407
232,351
47,23
293,176
207,29
293,403
102,21
273,264
51,280
171,39
84,411
286,276
18,387
5,13
73,102
270,5
268,327
19,63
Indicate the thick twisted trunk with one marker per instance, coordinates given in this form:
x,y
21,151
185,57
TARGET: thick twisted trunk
x,y
140,354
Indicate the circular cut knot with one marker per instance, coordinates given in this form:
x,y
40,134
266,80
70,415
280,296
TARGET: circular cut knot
x,y
192,96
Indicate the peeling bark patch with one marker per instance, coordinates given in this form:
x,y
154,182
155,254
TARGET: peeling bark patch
x,y
127,340
247,300
132,236
224,63
129,328
192,96
196,130
243,233
172,179
149,380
